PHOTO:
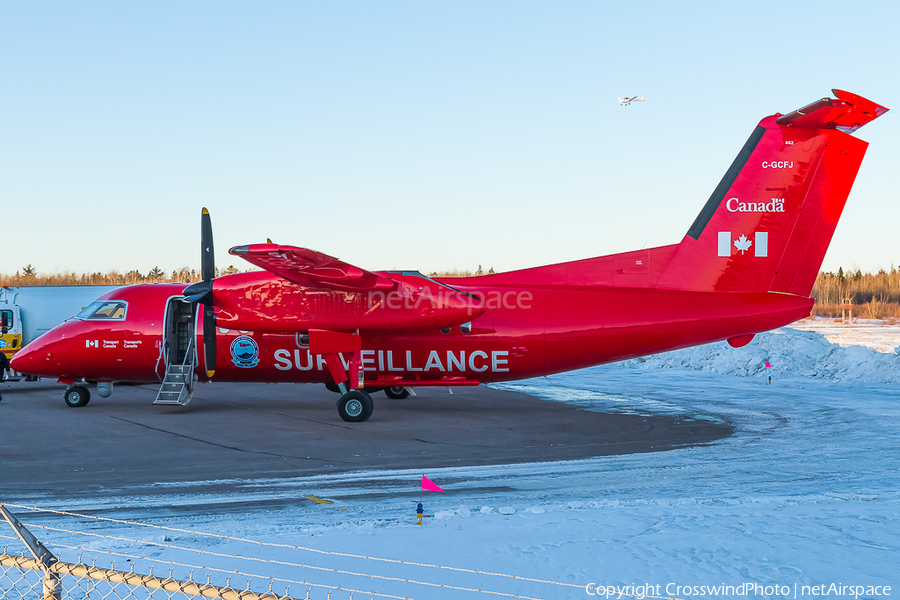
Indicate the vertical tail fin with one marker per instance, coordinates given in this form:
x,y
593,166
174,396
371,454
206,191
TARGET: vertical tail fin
x,y
768,223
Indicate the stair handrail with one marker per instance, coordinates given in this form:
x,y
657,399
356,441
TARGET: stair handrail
x,y
187,355
163,355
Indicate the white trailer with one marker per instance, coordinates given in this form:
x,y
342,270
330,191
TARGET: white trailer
x,y
29,312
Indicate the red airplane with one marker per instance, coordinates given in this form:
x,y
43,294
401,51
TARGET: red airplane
x,y
746,265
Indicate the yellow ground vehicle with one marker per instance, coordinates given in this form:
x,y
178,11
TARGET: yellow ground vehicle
x,y
28,312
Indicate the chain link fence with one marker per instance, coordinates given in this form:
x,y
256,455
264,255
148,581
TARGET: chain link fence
x,y
30,571
160,568
28,578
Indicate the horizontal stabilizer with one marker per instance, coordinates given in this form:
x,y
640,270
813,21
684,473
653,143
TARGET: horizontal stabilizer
x,y
847,113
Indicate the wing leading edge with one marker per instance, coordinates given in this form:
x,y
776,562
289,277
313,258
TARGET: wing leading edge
x,y
308,267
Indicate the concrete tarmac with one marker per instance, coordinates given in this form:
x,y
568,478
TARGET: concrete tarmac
x,y
124,444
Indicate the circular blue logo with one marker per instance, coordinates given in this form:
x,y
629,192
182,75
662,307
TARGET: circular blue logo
x,y
244,352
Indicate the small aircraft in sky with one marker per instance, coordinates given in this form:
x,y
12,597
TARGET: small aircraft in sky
x,y
627,101
747,264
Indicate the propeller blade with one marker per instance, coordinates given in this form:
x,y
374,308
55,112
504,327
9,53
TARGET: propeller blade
x,y
199,292
202,292
207,254
209,339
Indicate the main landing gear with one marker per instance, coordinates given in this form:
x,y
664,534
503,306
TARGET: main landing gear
x,y
396,392
355,406
77,396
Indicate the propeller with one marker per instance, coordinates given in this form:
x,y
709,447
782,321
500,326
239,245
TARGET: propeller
x,y
202,293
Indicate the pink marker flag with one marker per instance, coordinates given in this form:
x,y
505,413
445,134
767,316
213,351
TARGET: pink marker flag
x,y
768,365
429,485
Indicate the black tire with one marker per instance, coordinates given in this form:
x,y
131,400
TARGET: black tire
x,y
396,392
355,406
77,396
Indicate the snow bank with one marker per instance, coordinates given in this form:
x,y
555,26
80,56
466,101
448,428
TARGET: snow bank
x,y
880,335
791,353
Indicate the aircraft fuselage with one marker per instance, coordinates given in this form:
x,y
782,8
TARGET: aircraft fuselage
x,y
523,332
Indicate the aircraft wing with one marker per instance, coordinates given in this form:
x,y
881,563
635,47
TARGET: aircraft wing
x,y
311,268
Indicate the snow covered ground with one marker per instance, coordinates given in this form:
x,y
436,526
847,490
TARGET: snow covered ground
x,y
792,353
805,493
880,335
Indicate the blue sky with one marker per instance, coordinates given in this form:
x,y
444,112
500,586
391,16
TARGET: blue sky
x,y
413,135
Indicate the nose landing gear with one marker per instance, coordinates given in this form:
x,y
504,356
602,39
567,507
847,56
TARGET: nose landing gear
x,y
77,396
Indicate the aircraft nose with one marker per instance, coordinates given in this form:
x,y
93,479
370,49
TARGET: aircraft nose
x,y
37,358
23,360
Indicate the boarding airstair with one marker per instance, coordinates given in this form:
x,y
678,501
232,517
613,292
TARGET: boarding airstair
x,y
177,386
180,355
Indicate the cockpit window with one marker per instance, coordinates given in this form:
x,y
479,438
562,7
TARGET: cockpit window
x,y
109,310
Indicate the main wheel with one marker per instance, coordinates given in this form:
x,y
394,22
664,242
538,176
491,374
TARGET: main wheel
x,y
396,392
355,406
77,396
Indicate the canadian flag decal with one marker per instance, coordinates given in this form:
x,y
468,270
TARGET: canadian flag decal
x,y
90,343
729,245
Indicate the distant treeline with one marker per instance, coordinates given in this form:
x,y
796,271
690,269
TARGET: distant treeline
x,y
872,295
28,275
462,273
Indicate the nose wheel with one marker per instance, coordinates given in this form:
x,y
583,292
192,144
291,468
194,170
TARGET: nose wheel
x,y
355,406
77,396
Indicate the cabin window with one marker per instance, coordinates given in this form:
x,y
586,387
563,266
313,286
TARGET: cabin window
x,y
7,318
466,328
109,310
